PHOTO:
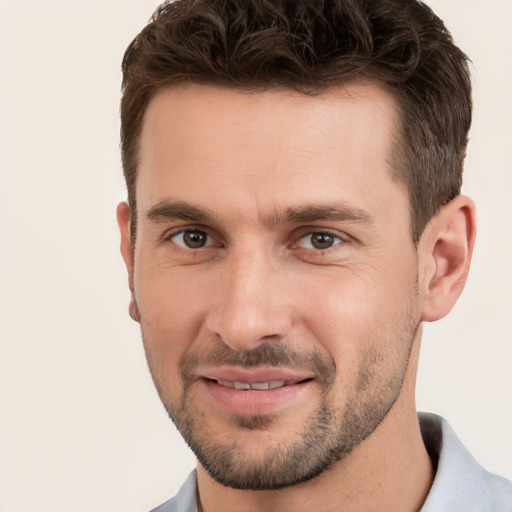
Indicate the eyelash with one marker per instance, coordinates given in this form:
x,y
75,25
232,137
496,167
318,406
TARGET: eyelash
x,y
338,239
171,236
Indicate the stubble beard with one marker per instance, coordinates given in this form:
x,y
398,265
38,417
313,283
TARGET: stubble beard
x,y
328,436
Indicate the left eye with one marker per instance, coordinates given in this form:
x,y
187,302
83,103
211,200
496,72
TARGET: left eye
x,y
319,240
192,239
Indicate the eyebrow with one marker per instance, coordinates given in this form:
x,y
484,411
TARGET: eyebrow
x,y
171,210
340,211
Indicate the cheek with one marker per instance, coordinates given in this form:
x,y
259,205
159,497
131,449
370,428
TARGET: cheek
x,y
352,311
171,317
168,298
340,303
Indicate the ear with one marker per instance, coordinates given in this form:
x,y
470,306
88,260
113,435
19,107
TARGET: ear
x,y
123,220
445,251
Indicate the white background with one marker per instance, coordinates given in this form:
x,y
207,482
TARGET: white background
x,y
81,427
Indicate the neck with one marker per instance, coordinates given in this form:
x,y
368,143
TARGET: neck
x,y
390,470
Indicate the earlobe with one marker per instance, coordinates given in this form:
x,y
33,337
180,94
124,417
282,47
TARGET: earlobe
x,y
446,248
123,220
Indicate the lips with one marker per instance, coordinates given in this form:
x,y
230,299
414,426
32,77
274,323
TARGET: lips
x,y
255,391
257,386
255,378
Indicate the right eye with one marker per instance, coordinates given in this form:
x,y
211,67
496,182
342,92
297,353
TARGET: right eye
x,y
192,239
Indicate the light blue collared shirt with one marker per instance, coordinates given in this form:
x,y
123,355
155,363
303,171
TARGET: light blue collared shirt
x,y
460,484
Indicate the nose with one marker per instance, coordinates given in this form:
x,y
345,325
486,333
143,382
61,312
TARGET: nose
x,y
252,305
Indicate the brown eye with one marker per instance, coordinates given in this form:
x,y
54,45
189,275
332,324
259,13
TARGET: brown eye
x,y
322,240
192,239
319,240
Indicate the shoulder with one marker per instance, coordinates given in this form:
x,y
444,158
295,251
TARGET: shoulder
x,y
185,500
168,506
460,484
499,490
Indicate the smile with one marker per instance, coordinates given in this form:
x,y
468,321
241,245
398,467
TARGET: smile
x,y
256,386
243,395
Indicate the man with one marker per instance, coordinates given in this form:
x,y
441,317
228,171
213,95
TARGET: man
x,y
294,216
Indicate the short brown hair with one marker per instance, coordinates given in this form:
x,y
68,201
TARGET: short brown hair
x,y
310,46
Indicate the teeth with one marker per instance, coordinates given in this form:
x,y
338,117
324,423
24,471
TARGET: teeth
x,y
273,384
226,383
260,385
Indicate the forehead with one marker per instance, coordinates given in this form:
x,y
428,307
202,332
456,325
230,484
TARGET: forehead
x,y
225,148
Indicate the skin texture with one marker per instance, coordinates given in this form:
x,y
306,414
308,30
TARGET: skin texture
x,y
273,245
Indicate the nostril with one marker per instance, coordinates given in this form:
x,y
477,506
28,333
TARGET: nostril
x,y
271,337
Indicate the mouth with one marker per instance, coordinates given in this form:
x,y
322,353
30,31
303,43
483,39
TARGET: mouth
x,y
257,386
261,391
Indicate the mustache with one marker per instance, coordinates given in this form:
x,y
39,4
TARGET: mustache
x,y
270,353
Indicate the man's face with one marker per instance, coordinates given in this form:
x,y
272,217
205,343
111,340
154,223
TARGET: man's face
x,y
274,274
